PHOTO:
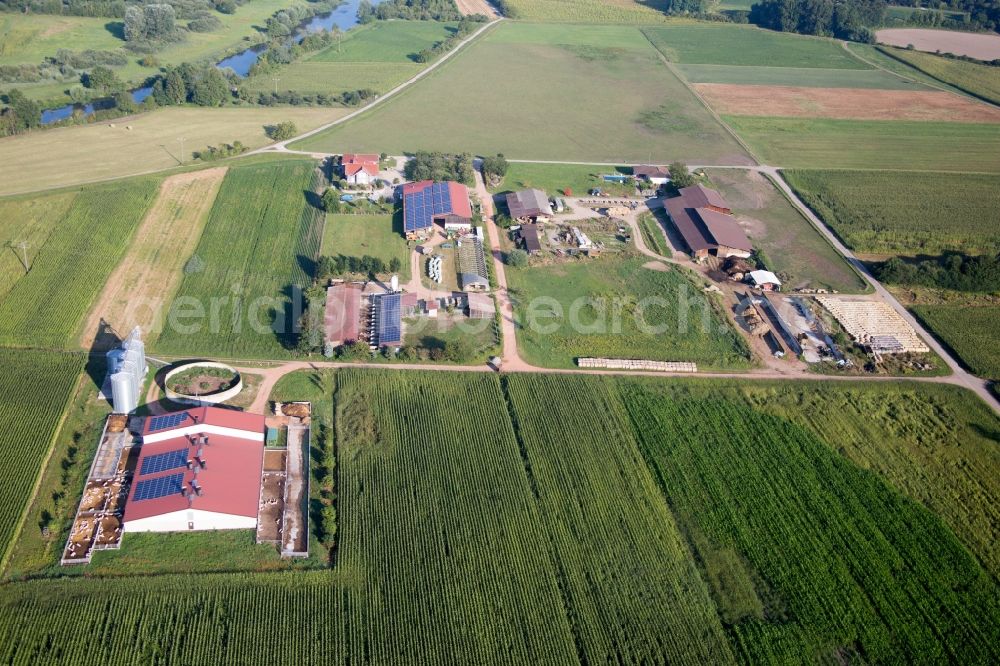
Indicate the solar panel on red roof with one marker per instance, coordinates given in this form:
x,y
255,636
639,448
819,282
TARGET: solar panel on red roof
x,y
166,421
171,484
161,462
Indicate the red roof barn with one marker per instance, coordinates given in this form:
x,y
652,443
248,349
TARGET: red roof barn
x,y
199,469
426,202
703,219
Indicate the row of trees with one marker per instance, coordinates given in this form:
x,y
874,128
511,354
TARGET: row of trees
x,y
440,166
184,9
466,26
430,349
982,13
954,270
419,10
341,265
64,65
845,19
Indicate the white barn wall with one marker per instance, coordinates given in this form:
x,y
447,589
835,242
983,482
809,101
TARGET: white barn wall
x,y
200,428
177,521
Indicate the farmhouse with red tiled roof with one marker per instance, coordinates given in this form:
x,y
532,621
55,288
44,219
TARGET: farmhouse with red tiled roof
x,y
359,168
199,469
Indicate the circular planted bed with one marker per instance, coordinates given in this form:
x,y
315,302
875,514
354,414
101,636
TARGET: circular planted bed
x,y
202,382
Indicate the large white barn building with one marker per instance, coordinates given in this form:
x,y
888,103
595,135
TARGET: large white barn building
x,y
199,469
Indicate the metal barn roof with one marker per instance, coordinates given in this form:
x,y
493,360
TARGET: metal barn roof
x,y
425,200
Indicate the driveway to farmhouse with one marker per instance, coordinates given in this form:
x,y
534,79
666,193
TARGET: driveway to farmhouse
x,y
508,325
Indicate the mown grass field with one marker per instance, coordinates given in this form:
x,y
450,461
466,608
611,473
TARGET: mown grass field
x,y
614,308
35,387
794,249
897,212
44,307
590,11
554,92
386,41
812,77
73,155
721,44
357,235
194,552
378,56
555,179
259,245
980,80
875,144
648,539
29,38
323,77
871,54
971,332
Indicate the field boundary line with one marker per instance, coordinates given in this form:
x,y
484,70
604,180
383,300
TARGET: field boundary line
x,y
868,288
16,535
280,146
935,86
967,93
673,70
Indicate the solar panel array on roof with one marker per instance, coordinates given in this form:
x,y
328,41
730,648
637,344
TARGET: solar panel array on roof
x,y
389,329
146,489
161,462
419,208
166,421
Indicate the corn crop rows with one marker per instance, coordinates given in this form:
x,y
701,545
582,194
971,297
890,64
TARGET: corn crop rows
x,y
554,520
260,240
901,212
629,583
845,565
970,331
208,619
440,523
34,389
44,308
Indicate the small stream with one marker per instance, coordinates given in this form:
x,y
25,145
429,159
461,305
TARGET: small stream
x,y
344,17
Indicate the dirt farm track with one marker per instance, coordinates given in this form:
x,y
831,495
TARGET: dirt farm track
x,y
981,47
470,7
846,103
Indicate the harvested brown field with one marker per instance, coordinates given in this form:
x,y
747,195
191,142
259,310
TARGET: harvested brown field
x,y
470,7
139,289
978,46
844,103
